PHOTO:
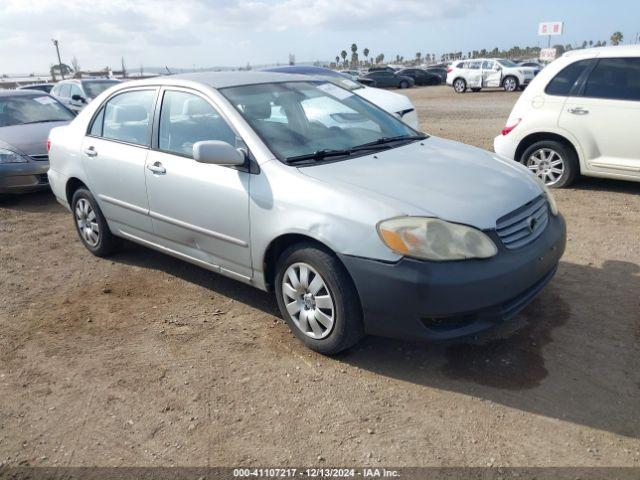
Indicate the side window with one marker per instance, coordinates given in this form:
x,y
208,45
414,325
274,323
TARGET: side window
x,y
127,117
96,126
487,65
615,78
185,119
564,81
475,65
65,90
74,90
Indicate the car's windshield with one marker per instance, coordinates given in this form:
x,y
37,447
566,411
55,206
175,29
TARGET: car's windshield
x,y
507,63
95,88
23,109
302,118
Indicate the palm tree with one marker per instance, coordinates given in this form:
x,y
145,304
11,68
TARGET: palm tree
x,y
418,58
591,43
343,54
616,38
366,54
337,59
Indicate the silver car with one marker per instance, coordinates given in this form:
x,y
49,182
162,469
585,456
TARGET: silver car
x,y
26,117
358,223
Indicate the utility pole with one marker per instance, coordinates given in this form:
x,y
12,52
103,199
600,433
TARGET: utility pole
x,y
55,43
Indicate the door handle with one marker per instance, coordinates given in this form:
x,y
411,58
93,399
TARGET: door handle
x,y
578,111
91,152
157,168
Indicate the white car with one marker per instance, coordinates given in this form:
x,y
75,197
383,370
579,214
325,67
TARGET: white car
x,y
580,115
488,72
394,103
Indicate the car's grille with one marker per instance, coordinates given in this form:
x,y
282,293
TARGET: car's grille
x,y
40,158
524,225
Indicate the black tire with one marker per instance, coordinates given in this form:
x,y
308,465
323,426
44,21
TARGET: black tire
x,y
347,328
404,84
571,166
476,89
510,83
459,85
107,243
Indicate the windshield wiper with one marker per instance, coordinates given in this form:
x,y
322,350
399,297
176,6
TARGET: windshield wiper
x,y
387,140
319,155
42,121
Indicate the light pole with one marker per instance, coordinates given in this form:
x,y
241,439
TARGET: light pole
x,y
55,43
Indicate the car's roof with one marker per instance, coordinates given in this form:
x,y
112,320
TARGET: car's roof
x,y
22,93
222,79
616,50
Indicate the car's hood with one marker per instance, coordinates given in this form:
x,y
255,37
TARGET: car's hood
x,y
390,101
28,139
436,177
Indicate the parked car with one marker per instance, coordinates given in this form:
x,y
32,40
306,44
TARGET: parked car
x,y
420,76
535,65
76,94
26,117
385,79
43,87
356,230
580,115
487,72
352,74
381,69
394,103
440,72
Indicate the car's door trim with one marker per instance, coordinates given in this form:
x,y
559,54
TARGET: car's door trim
x,y
195,228
184,256
120,203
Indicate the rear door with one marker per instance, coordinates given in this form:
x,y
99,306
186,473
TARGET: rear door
x,y
198,210
474,73
605,116
114,154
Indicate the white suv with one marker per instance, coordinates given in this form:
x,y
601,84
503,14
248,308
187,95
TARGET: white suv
x,y
580,115
489,72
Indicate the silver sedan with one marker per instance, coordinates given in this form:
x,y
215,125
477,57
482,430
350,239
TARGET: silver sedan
x,y
357,222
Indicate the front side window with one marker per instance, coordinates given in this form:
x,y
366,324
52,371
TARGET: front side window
x,y
487,65
564,81
24,109
185,119
615,78
96,87
65,90
303,118
127,117
75,90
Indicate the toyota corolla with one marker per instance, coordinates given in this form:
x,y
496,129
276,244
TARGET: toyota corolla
x,y
358,223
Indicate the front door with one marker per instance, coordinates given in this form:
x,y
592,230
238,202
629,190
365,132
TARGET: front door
x,y
114,154
491,74
605,115
198,210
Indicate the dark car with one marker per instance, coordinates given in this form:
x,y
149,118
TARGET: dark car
x,y
43,87
386,79
420,76
441,72
382,69
26,117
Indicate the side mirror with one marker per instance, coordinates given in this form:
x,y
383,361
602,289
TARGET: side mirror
x,y
217,153
78,98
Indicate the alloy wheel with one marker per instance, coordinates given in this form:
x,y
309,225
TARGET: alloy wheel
x,y
510,84
308,300
87,222
546,164
459,86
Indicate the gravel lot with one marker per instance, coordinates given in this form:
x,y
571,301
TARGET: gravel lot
x,y
144,360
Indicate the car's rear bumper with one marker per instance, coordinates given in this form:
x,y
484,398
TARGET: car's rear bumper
x,y
423,300
506,145
23,177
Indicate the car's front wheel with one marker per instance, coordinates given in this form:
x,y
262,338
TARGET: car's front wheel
x,y
510,84
459,85
552,162
91,225
404,84
318,300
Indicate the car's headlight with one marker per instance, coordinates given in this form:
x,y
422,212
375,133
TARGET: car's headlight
x,y
553,206
434,239
7,156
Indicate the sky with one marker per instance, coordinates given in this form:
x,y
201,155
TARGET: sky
x,y
207,33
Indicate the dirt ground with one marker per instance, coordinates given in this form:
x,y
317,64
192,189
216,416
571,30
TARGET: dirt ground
x,y
145,360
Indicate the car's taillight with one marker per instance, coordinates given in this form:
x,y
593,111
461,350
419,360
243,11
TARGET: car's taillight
x,y
449,70
506,130
48,145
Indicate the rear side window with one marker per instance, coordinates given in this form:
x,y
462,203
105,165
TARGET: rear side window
x,y
564,81
615,78
127,117
65,90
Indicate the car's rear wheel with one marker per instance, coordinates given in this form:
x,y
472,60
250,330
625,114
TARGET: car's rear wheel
x,y
404,84
510,84
91,225
552,162
459,85
318,300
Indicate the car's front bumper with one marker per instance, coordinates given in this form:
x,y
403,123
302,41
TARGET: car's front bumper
x,y
422,300
23,177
